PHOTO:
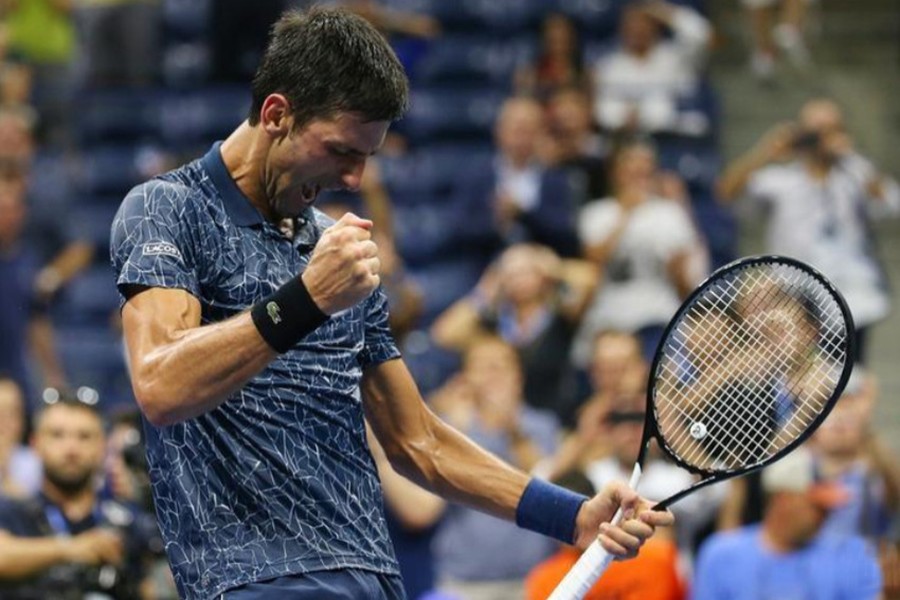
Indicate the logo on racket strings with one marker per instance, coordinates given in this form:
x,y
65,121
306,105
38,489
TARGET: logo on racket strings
x,y
698,431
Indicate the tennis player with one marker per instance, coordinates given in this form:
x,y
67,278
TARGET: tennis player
x,y
257,337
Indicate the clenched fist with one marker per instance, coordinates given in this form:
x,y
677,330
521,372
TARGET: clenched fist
x,y
344,266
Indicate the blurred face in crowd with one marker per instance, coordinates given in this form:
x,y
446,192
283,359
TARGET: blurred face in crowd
x,y
519,128
626,415
323,154
71,444
843,434
16,139
823,118
614,353
634,167
570,113
800,516
492,367
12,212
638,30
525,274
559,36
12,415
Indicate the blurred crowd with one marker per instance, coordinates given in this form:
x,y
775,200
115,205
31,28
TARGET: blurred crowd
x,y
554,194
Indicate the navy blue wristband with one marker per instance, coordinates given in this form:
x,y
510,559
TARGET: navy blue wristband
x,y
549,509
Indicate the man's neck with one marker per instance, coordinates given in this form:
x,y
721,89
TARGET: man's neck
x,y
243,153
75,505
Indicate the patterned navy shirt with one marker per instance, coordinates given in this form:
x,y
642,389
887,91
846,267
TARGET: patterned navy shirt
x,y
278,479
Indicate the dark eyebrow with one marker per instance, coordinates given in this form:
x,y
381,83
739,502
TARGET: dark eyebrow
x,y
345,149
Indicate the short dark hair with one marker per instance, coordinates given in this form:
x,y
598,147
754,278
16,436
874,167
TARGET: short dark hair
x,y
70,401
327,61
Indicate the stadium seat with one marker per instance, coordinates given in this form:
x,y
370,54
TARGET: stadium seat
x,y
431,170
201,117
596,19
470,59
186,19
89,299
110,169
508,16
444,282
186,65
451,114
93,356
126,115
92,221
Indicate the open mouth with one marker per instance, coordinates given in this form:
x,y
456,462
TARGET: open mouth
x,y
308,193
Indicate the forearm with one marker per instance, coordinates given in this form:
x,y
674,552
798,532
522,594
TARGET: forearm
x,y
458,325
43,345
21,558
737,174
429,452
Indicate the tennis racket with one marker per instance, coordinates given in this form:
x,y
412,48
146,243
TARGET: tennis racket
x,y
747,369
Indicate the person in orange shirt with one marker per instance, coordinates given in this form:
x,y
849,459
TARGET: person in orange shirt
x,y
652,575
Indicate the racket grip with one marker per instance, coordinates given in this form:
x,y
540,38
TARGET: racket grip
x,y
584,574
593,562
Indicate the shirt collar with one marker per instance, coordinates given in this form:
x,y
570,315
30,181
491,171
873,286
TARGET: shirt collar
x,y
237,205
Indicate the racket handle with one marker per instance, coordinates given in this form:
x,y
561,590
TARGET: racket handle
x,y
584,574
592,563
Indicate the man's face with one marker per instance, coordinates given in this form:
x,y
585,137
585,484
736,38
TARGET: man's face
x,y
70,443
324,154
638,30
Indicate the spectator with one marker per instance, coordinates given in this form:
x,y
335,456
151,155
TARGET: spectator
x,y
638,84
822,195
630,579
515,198
412,516
42,34
20,469
786,35
65,542
849,451
788,555
534,302
559,63
25,327
58,250
574,145
643,245
122,41
480,557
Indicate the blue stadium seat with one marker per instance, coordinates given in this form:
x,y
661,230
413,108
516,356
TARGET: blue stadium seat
x,y
202,116
697,161
123,115
597,19
465,15
110,169
90,298
93,356
91,221
445,282
431,170
469,59
429,364
186,65
186,19
451,114
719,225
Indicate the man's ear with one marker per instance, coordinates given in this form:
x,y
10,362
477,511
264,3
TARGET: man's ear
x,y
275,116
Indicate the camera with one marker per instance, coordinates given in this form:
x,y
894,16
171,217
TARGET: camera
x,y
806,140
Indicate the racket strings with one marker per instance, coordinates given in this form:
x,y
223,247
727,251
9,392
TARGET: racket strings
x,y
749,367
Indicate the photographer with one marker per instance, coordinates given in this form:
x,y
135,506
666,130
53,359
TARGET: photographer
x,y
821,195
65,542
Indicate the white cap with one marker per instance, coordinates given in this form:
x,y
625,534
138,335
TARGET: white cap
x,y
796,473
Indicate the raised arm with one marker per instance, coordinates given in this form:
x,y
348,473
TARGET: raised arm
x,y
775,145
180,370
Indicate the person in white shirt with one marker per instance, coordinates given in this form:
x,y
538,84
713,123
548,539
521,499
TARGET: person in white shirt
x,y
822,195
644,245
638,83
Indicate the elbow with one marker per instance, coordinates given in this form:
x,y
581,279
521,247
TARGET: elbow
x,y
157,401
